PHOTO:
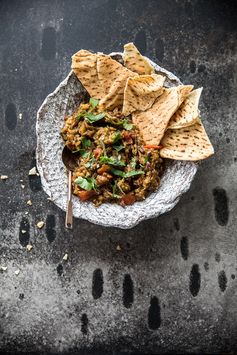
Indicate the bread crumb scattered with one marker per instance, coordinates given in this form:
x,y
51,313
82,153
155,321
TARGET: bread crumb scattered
x,y
21,180
40,224
3,268
33,171
20,116
17,272
65,258
4,177
118,248
26,212
22,186
29,202
29,247
23,231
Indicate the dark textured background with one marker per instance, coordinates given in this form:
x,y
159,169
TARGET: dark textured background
x,y
172,286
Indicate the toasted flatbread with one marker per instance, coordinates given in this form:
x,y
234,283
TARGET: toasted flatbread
x,y
84,65
188,112
113,77
141,92
134,61
189,143
153,122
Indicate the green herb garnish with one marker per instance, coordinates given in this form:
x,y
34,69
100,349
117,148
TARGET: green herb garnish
x,y
118,147
86,143
114,188
111,161
117,137
126,125
91,118
127,174
86,183
93,102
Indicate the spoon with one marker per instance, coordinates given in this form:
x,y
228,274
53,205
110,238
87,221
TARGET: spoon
x,y
70,162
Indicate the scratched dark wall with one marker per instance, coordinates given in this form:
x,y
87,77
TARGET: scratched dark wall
x,y
170,286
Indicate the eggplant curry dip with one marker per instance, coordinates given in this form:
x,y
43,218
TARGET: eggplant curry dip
x,y
130,126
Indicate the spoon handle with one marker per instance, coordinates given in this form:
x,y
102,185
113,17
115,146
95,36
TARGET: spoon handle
x,y
68,221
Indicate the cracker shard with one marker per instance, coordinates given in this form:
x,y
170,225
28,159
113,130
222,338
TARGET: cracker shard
x,y
134,61
189,143
141,92
188,112
153,122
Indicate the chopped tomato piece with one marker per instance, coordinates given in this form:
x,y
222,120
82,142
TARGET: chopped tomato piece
x,y
85,195
151,146
128,199
104,168
97,153
128,137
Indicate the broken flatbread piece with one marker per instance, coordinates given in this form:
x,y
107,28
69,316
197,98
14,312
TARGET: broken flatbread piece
x,y
153,122
189,143
113,77
134,61
84,65
141,92
188,112
108,71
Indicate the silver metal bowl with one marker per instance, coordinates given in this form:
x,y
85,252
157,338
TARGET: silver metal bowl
x,y
67,96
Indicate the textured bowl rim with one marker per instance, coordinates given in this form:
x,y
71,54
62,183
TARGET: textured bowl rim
x,y
107,214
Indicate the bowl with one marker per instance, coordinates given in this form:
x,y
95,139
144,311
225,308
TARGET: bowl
x,y
175,180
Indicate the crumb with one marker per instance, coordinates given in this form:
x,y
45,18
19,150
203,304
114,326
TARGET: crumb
x,y
21,180
20,116
26,212
23,231
29,247
40,224
65,258
3,268
118,247
3,177
29,202
33,171
17,272
22,186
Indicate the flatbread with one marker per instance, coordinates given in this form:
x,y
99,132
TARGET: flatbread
x,y
189,143
113,78
84,65
188,112
134,61
153,122
141,92
108,71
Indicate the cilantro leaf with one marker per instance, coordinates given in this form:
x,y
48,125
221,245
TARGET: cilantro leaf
x,y
81,114
126,125
127,174
86,143
133,173
117,172
93,102
117,137
91,118
118,147
86,183
111,161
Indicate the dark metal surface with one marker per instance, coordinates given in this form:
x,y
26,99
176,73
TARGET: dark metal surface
x,y
169,284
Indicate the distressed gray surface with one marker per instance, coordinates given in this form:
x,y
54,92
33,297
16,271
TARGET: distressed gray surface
x,y
50,117
196,41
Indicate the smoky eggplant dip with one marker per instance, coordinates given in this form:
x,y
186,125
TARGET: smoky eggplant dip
x,y
113,163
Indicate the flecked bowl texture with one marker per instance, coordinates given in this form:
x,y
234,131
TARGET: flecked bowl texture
x,y
175,181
